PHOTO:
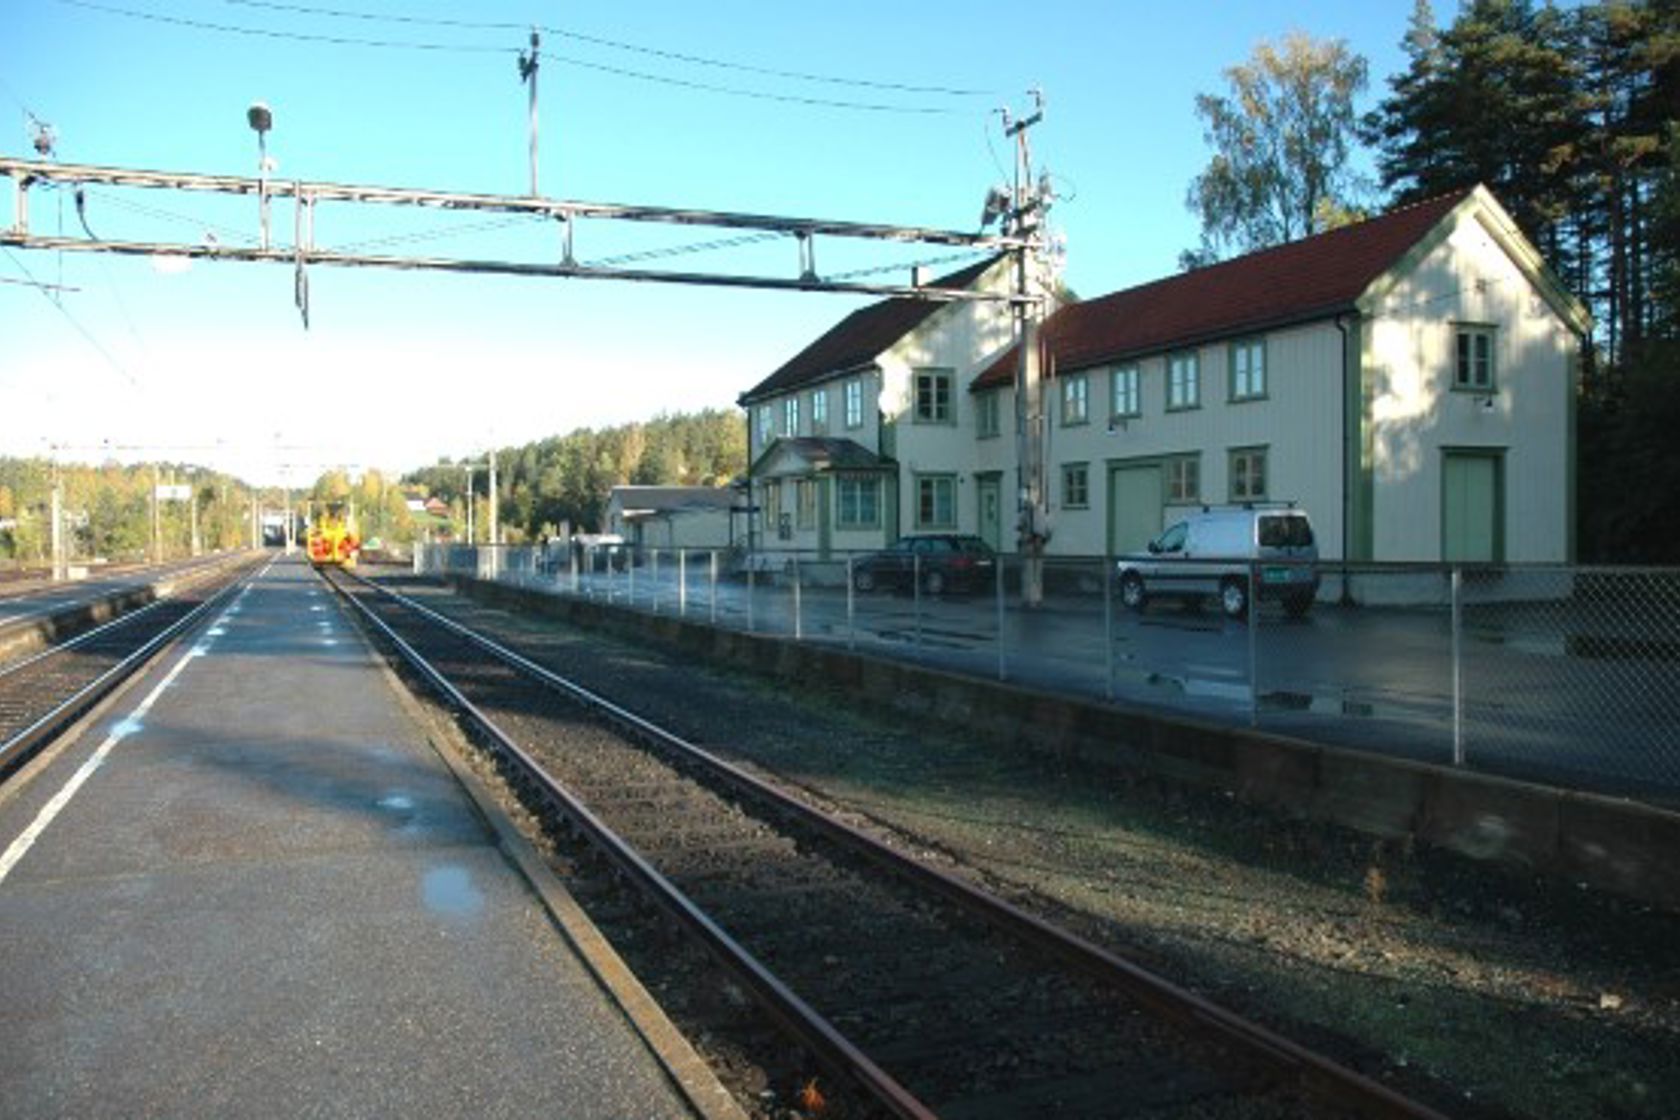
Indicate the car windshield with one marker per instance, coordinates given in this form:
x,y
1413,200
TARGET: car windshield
x,y
1285,532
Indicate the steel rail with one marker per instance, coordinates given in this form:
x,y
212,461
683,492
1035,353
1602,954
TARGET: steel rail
x,y
828,1043
1317,1075
84,636
22,746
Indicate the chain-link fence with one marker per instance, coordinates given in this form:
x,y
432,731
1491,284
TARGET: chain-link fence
x,y
1561,674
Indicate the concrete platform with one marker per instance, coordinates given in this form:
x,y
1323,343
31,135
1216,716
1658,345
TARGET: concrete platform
x,y
252,888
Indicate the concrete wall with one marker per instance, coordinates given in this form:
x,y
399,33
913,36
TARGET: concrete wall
x,y
1613,845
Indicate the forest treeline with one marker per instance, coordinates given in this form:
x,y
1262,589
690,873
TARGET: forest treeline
x,y
561,481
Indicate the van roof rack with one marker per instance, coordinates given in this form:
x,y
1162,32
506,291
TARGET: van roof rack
x,y
1282,503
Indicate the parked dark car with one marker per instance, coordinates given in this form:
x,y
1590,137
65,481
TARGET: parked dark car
x,y
945,562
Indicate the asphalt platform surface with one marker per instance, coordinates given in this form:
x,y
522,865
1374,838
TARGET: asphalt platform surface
x,y
251,888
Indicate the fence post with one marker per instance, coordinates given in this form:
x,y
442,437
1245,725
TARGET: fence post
x,y
572,554
750,582
630,568
851,605
653,561
916,595
714,586
1457,669
682,583
798,612
1253,645
1002,646
1108,624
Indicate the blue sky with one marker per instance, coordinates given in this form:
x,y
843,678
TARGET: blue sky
x,y
213,365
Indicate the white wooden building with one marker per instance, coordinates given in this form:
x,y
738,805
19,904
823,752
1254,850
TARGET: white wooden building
x,y
1409,380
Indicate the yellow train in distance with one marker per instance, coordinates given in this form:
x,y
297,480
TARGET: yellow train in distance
x,y
333,543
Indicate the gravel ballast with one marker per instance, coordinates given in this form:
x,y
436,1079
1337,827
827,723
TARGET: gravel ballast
x,y
1476,989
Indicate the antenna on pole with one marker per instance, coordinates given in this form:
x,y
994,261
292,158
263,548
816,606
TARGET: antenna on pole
x,y
528,73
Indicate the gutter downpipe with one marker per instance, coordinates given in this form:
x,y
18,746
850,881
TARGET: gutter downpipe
x,y
1346,598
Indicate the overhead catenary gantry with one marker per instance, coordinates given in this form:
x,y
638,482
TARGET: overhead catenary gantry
x,y
565,213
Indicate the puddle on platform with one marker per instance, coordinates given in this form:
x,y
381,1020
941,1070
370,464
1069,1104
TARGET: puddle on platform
x,y
449,891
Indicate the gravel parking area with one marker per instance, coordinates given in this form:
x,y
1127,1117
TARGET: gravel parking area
x,y
1483,992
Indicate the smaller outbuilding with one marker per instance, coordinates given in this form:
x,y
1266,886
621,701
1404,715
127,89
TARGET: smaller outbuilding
x,y
692,517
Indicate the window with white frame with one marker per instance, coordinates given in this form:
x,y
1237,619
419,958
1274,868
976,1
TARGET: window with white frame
x,y
805,502
936,501
819,411
1184,479
766,426
986,421
790,416
771,505
1248,369
857,502
1184,381
933,396
1125,399
1076,399
1248,474
1076,485
1473,362
854,403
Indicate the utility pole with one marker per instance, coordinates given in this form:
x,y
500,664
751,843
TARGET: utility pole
x,y
495,511
470,467
157,529
1027,203
528,74
58,565
192,513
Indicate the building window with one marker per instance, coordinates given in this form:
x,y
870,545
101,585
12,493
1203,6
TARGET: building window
x,y
1126,401
805,499
854,403
766,426
933,396
1184,480
1076,485
1248,474
790,417
1473,369
1076,400
1184,381
859,502
936,501
1248,370
772,506
986,421
819,411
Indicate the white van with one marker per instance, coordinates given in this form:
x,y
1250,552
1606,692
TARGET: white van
x,y
1214,552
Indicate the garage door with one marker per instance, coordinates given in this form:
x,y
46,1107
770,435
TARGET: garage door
x,y
1470,508
1134,507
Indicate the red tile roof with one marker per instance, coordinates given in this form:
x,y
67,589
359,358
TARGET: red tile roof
x,y
859,338
1304,280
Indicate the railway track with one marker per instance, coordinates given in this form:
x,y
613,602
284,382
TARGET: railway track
x,y
920,995
43,694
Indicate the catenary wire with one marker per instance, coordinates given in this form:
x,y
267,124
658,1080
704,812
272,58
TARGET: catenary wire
x,y
582,64
74,322
615,44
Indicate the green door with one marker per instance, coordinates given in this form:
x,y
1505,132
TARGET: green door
x,y
1470,509
989,490
1134,507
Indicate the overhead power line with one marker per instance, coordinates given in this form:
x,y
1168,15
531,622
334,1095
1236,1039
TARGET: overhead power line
x,y
74,322
471,48
615,44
